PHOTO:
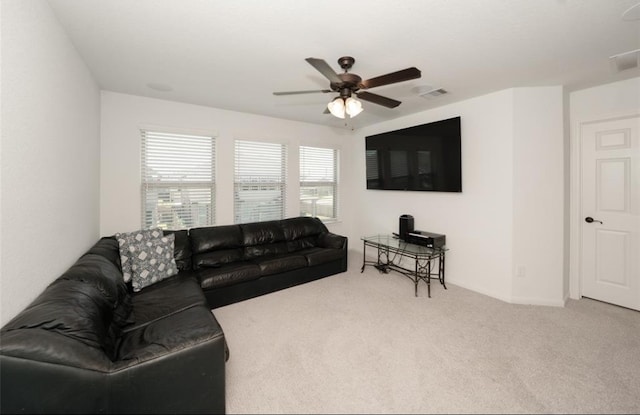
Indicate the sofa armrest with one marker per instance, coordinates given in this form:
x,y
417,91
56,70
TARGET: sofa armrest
x,y
332,240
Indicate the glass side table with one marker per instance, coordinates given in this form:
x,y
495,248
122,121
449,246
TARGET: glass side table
x,y
427,262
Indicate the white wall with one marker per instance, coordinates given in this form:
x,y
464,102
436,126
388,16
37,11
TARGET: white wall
x,y
124,115
512,170
476,222
605,101
10,313
50,153
538,197
611,100
488,226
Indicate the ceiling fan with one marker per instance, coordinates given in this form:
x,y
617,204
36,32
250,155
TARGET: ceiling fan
x,y
348,84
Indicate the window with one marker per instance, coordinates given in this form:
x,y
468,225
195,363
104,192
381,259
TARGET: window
x,y
319,182
178,180
259,181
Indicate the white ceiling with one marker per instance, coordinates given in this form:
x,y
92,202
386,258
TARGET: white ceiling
x,y
234,54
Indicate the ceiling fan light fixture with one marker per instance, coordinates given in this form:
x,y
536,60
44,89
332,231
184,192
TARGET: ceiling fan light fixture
x,y
336,107
340,106
353,107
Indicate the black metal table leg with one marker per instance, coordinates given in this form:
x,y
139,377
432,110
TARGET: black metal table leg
x,y
429,278
441,270
416,279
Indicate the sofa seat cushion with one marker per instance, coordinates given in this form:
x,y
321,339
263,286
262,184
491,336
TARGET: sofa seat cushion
x,y
228,274
169,334
279,263
165,298
316,256
32,345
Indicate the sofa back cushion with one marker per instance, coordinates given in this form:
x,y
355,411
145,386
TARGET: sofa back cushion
x,y
101,274
182,251
302,226
79,305
109,248
302,232
263,238
215,245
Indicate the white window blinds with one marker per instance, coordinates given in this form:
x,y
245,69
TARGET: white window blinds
x,y
373,172
259,181
319,182
178,180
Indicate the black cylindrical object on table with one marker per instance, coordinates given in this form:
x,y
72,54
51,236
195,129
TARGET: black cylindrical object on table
x,y
406,226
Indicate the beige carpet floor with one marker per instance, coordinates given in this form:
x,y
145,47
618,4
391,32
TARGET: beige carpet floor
x,y
362,343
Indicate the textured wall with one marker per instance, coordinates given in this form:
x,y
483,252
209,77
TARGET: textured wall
x,y
50,153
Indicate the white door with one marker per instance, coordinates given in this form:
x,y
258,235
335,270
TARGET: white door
x,y
610,254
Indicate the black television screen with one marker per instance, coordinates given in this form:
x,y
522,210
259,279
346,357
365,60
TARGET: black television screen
x,y
424,158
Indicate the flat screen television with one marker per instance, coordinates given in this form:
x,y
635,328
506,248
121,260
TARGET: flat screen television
x,y
425,157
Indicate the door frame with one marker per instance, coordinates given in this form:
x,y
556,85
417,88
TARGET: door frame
x,y
575,199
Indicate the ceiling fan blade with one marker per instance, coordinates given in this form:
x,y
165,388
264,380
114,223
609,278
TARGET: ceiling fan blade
x,y
391,78
302,92
323,67
378,99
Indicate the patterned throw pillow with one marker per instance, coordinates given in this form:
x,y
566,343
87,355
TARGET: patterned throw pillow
x,y
152,262
127,240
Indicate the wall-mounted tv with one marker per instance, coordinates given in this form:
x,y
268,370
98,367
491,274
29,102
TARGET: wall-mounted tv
x,y
423,158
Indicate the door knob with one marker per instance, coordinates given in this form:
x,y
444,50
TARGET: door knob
x,y
589,219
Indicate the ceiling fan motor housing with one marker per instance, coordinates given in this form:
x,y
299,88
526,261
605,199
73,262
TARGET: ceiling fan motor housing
x,y
350,83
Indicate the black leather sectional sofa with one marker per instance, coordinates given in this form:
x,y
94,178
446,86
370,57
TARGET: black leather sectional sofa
x,y
90,344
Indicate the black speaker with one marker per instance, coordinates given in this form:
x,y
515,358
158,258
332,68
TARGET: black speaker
x,y
406,226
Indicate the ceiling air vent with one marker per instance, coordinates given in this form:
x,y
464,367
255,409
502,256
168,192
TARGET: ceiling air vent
x,y
626,60
429,92
436,92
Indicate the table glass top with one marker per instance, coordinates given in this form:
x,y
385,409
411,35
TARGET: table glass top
x,y
393,242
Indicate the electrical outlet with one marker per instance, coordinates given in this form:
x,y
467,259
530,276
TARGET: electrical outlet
x,y
521,271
